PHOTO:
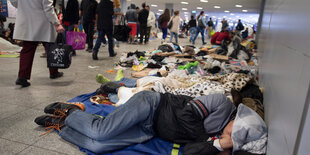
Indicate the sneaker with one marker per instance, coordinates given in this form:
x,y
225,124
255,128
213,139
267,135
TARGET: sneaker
x,y
61,108
23,82
56,76
51,122
114,54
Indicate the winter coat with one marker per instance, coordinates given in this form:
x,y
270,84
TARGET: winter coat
x,y
35,20
151,19
71,12
176,24
142,17
131,15
182,119
105,13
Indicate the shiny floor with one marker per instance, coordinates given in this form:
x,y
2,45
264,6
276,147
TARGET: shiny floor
x,y
20,106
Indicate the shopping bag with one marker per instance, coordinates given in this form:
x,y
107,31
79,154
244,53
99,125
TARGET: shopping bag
x,y
59,54
76,39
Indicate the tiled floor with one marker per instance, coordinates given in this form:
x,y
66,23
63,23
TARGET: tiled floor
x,y
20,106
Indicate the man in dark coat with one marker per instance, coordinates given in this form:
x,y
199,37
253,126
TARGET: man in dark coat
x,y
105,26
175,118
88,12
70,20
143,15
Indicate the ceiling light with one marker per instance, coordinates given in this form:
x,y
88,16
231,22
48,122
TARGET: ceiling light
x,y
232,14
184,9
204,1
226,11
244,10
160,10
199,8
153,5
238,6
217,7
184,2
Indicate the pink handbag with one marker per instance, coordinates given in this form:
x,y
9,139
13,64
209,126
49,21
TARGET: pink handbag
x,y
76,39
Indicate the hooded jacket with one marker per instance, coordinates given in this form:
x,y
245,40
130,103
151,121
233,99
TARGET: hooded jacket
x,y
182,119
131,15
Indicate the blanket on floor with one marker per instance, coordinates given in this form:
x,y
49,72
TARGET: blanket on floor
x,y
156,146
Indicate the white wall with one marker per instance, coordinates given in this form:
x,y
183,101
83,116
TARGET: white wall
x,y
285,71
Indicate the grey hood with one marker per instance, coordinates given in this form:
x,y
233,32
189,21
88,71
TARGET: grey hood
x,y
220,111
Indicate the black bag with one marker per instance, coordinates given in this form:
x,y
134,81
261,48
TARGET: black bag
x,y
59,54
170,24
121,32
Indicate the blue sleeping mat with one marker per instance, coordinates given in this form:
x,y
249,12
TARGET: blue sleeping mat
x,y
155,146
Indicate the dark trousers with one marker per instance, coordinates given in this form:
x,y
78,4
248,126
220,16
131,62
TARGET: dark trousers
x,y
26,59
148,33
101,39
143,33
89,30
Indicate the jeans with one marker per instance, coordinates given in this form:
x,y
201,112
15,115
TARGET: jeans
x,y
193,31
89,30
202,32
173,34
129,124
165,32
101,38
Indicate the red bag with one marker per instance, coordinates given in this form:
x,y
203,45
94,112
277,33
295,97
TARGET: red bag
x,y
76,39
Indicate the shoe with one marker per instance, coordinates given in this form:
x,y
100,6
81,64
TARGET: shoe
x,y
23,82
56,76
61,108
114,54
95,56
51,122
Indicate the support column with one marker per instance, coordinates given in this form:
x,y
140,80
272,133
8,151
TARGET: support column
x,y
124,6
170,7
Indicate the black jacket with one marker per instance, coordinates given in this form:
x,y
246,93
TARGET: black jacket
x,y
105,13
178,121
71,12
89,8
142,18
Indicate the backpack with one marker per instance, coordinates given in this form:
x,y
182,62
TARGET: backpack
x,y
200,24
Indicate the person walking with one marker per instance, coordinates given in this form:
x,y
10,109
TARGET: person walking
x,y
202,25
239,27
70,19
105,27
225,25
174,31
36,21
192,28
118,17
132,18
210,27
150,23
163,23
142,18
88,12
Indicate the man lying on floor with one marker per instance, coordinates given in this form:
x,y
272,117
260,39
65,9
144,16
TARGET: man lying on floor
x,y
175,118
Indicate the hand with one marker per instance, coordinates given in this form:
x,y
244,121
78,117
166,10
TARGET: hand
x,y
60,28
226,141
